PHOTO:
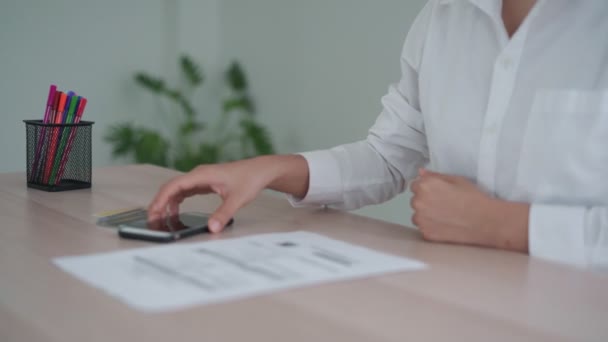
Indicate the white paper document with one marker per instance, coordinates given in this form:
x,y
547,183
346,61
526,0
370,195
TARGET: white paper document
x,y
182,275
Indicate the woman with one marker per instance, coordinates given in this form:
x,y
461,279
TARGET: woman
x,y
499,125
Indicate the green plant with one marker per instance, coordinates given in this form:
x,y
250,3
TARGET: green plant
x,y
235,135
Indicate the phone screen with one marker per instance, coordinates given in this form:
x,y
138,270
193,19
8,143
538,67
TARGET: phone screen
x,y
172,223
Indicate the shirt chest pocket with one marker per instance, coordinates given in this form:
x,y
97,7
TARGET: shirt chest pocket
x,y
564,157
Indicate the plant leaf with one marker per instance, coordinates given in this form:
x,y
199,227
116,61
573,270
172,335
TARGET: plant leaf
x,y
154,84
184,161
178,97
122,137
191,70
208,153
243,103
258,135
151,147
236,77
187,107
190,127
173,94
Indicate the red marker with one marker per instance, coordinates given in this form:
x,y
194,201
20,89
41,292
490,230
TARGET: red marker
x,y
64,158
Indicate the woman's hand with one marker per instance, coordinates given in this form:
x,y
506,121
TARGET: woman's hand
x,y
452,209
237,183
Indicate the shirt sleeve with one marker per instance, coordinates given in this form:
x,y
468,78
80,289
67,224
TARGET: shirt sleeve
x,y
574,235
378,168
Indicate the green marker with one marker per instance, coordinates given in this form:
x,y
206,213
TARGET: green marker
x,y
64,137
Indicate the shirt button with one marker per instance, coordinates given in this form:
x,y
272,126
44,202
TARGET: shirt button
x,y
507,62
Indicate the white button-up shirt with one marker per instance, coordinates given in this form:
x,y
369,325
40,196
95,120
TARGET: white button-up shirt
x,y
524,117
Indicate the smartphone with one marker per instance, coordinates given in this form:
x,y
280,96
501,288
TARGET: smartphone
x,y
169,229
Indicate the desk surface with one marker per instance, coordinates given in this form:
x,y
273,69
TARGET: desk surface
x,y
467,294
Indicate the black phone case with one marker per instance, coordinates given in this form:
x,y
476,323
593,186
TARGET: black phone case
x,y
170,238
165,239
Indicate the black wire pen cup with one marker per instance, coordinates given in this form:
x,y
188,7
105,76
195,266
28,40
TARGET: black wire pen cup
x,y
58,156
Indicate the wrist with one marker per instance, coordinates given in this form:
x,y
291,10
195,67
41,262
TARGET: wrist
x,y
287,173
509,222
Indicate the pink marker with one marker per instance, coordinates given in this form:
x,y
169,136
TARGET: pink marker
x,y
48,113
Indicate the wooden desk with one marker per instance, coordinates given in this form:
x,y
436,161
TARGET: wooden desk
x,y
467,294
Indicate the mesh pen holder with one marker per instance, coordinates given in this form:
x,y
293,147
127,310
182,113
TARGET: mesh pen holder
x,y
58,155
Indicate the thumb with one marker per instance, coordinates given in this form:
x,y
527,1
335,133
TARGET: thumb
x,y
222,215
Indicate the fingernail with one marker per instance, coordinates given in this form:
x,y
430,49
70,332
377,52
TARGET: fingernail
x,y
214,225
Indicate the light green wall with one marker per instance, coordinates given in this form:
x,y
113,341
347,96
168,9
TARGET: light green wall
x,y
319,67
94,47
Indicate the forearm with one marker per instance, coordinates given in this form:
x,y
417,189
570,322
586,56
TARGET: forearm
x,y
289,174
509,221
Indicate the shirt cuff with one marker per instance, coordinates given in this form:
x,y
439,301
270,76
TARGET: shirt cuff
x,y
556,233
324,180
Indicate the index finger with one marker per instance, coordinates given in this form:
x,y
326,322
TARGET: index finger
x,y
165,195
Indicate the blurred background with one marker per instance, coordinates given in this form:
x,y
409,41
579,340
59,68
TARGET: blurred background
x,y
315,71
